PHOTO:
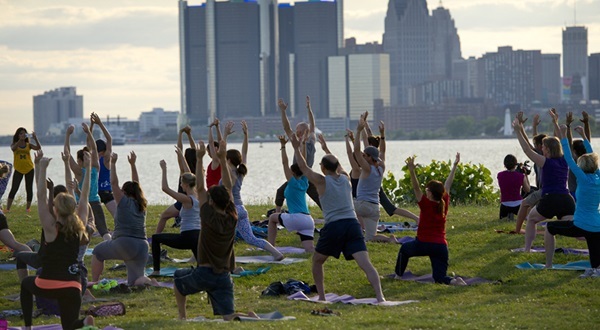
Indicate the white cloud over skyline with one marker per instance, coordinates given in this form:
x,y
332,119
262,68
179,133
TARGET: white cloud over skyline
x,y
123,55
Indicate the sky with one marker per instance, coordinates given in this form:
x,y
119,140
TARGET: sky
x,y
123,55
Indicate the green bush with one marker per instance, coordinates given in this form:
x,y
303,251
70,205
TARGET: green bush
x,y
473,184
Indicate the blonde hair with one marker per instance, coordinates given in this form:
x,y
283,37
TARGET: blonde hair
x,y
66,208
4,169
189,179
553,145
588,162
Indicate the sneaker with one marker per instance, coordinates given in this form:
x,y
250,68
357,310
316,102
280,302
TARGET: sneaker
x,y
177,222
590,272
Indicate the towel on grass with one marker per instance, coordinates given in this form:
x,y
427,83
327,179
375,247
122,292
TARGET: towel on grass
x,y
266,260
273,316
58,327
575,265
428,278
346,299
248,272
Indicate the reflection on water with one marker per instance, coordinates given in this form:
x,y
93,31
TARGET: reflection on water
x,y
265,173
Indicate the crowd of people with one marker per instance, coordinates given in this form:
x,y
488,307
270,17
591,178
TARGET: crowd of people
x,y
209,209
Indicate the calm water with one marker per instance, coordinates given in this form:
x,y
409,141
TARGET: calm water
x,y
265,173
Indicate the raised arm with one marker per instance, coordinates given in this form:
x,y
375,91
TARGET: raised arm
x,y
323,143
410,163
68,175
535,124
365,167
284,119
211,143
245,142
96,120
91,144
200,185
521,129
46,219
364,137
180,197
36,160
317,179
37,145
450,178
114,179
311,116
538,159
67,150
355,168
188,131
131,158
284,158
569,134
183,165
82,206
225,172
586,124
382,145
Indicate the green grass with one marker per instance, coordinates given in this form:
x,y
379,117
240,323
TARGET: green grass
x,y
525,299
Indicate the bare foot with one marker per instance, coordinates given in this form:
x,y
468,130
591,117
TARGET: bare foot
x,y
88,320
393,239
279,257
458,281
153,282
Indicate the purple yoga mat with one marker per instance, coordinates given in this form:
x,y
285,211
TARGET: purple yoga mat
x,y
428,278
58,327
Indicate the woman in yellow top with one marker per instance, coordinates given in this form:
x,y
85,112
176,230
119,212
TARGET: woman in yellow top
x,y
22,164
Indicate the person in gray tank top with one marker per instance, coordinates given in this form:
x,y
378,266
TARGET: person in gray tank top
x,y
342,232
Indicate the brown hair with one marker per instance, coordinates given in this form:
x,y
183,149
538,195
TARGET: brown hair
x,y
553,145
222,199
4,169
438,191
134,190
235,157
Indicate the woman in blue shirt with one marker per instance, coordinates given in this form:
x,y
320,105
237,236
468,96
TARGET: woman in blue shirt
x,y
586,220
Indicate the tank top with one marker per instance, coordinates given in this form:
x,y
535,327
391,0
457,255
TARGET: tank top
x,y
23,163
212,176
104,177
93,195
190,217
336,201
368,188
59,260
236,190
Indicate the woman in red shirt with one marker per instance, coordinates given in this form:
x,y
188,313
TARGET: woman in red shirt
x,y
431,234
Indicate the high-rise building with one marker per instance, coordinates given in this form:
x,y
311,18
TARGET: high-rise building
x,y
228,59
407,39
158,120
54,107
550,79
422,48
594,76
575,58
513,76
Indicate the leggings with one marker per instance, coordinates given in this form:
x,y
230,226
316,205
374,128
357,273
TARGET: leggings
x,y
18,176
438,255
245,229
186,240
311,191
69,303
28,258
99,218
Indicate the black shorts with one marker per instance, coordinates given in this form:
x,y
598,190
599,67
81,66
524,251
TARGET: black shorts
x,y
106,196
568,228
341,236
505,210
3,222
556,205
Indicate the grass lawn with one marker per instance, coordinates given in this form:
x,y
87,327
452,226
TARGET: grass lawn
x,y
525,299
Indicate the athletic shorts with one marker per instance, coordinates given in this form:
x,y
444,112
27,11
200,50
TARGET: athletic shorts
x,y
219,287
369,213
533,198
106,196
301,223
341,236
556,205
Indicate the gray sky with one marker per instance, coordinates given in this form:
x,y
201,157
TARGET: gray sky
x,y
123,55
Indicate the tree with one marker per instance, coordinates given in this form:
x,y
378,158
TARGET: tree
x,y
460,126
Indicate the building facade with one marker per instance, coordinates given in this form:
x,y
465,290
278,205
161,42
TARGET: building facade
x,y
594,77
575,62
158,120
550,79
56,107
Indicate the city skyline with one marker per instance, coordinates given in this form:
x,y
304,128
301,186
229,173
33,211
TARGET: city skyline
x,y
119,68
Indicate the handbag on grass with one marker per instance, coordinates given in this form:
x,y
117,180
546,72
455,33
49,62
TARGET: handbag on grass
x,y
112,309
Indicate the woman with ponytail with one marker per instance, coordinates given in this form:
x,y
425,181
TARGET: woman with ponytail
x,y
236,162
431,234
62,234
129,239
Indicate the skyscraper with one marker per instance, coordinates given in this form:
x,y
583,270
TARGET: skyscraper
x,y
56,106
575,56
407,39
550,79
446,44
594,76
228,59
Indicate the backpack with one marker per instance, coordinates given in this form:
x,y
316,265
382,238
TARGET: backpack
x,y
112,309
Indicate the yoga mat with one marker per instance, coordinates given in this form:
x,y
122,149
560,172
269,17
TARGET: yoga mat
x,y
405,239
575,265
181,261
266,260
252,272
283,249
541,249
166,272
346,299
392,227
273,316
428,278
13,267
57,327
124,281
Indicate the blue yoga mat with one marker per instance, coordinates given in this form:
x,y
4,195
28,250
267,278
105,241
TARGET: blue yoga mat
x,y
575,265
167,271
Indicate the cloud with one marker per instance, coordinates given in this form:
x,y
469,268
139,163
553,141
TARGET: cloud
x,y
70,28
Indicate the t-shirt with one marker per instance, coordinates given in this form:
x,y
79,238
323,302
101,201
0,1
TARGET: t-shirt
x,y
432,225
129,220
23,163
510,183
216,239
295,194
